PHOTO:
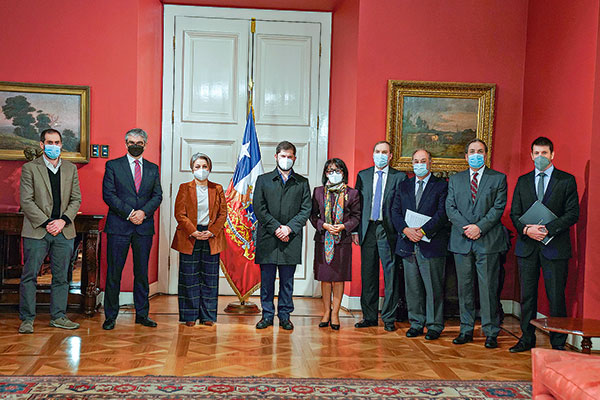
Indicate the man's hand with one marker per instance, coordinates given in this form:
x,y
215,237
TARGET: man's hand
x,y
283,233
137,217
55,227
537,232
472,231
413,234
355,239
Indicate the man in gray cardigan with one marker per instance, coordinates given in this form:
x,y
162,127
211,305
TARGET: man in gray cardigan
x,y
475,203
50,199
282,206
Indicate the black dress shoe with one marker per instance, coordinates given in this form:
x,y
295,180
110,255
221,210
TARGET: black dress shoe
x,y
463,338
432,335
491,342
520,347
365,323
323,324
108,324
264,323
412,332
559,347
286,324
145,321
389,326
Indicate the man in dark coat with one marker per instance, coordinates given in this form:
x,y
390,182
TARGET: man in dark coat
x,y
282,206
557,190
423,246
131,189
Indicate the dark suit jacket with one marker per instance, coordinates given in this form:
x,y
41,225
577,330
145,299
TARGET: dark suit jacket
x,y
433,204
485,212
364,184
277,204
560,197
186,214
351,214
118,192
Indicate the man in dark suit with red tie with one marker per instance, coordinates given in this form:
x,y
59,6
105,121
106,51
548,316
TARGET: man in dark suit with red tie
x,y
131,189
557,190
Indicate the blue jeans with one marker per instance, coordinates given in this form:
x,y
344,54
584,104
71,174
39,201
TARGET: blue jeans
x,y
285,304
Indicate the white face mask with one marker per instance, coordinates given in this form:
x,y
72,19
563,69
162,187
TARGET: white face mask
x,y
335,178
201,174
285,164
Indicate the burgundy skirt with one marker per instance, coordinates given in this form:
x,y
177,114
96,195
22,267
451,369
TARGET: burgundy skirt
x,y
340,268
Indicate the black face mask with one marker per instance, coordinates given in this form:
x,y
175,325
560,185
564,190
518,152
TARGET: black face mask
x,y
135,150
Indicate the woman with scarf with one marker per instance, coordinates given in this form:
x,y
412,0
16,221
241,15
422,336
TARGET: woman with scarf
x,y
335,214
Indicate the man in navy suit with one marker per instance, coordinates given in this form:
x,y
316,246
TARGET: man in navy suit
x,y
423,247
557,190
377,238
131,189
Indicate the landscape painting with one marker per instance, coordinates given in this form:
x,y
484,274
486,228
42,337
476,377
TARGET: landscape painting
x,y
26,110
441,117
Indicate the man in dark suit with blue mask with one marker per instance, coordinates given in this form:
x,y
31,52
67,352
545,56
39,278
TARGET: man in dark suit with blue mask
x,y
557,190
475,203
377,238
423,246
131,189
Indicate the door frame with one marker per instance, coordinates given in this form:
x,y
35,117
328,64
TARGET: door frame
x,y
170,13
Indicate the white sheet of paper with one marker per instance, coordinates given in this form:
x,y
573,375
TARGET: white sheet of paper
x,y
415,220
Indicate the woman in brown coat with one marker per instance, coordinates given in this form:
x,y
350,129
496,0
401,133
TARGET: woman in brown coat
x,y
200,211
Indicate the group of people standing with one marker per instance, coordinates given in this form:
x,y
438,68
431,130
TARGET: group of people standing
x,y
406,225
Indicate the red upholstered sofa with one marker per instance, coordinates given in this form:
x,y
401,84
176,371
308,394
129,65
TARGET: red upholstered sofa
x,y
565,375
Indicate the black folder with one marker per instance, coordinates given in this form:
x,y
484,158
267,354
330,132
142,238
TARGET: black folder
x,y
538,214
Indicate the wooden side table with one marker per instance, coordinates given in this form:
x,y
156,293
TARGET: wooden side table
x,y
586,328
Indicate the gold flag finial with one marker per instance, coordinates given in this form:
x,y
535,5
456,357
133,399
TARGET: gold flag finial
x,y
253,25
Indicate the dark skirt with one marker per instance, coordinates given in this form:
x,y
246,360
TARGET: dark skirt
x,y
340,268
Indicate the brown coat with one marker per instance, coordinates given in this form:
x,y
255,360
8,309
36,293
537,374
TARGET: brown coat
x,y
186,214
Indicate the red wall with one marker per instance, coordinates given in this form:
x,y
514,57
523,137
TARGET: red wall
x,y
466,41
560,101
112,46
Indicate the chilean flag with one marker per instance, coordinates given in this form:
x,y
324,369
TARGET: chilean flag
x,y
240,229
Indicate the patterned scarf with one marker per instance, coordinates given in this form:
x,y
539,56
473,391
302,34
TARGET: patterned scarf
x,y
334,214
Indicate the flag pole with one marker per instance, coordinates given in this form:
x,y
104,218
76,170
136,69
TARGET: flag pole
x,y
243,306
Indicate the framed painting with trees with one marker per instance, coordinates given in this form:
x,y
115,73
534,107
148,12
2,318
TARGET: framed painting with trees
x,y
441,117
27,109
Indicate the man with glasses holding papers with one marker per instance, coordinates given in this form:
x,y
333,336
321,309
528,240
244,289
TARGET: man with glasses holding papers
x,y
419,216
549,195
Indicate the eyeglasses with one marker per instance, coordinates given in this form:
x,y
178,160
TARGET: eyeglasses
x,y
331,171
135,143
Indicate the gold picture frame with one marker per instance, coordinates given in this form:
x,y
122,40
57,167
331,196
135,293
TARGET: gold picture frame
x,y
26,109
440,117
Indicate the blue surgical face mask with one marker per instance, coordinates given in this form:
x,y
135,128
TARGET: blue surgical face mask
x,y
380,160
541,162
420,169
52,151
476,160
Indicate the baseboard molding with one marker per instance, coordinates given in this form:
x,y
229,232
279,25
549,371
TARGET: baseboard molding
x,y
126,298
352,303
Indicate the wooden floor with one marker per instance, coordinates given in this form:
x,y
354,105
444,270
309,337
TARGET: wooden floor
x,y
233,347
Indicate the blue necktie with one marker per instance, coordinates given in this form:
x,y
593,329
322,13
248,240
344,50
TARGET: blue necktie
x,y
377,197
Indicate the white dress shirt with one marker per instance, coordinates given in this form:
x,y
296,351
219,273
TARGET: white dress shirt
x,y
384,176
51,167
202,195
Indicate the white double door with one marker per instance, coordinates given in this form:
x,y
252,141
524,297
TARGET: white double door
x,y
207,68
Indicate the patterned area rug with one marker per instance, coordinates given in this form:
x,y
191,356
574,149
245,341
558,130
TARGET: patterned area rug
x,y
184,388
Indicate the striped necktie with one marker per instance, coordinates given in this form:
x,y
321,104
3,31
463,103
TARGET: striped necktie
x,y
137,176
474,186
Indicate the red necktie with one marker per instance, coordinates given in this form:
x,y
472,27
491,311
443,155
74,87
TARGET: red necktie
x,y
474,187
137,176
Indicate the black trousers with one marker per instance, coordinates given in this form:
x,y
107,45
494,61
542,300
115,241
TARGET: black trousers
x,y
555,281
116,254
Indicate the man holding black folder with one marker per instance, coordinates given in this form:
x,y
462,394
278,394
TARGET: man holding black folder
x,y
557,191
